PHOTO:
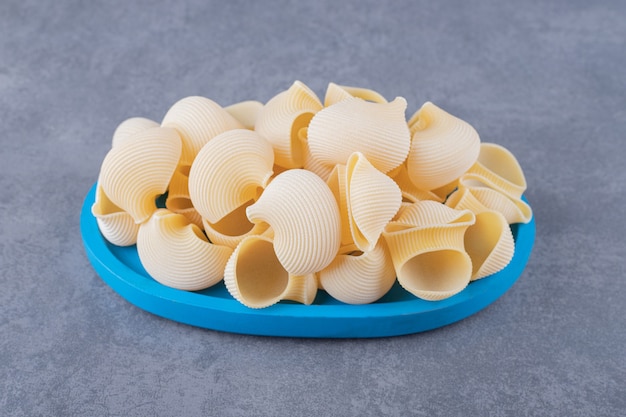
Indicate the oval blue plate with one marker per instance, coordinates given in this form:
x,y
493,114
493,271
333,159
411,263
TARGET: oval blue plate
x,y
397,313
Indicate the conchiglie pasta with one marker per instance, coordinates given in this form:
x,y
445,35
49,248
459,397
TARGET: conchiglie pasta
x,y
336,93
228,171
256,278
246,112
135,172
409,191
117,226
176,253
304,215
443,147
178,199
233,227
481,198
378,130
428,251
497,168
361,277
372,200
129,127
489,244
283,122
198,120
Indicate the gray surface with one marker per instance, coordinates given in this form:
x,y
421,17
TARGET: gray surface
x,y
545,80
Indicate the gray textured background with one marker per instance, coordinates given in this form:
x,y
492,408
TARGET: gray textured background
x,y
545,79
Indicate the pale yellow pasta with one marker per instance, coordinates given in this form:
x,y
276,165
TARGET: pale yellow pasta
x,y
178,199
479,198
489,244
117,226
497,168
283,122
409,191
428,251
356,277
229,171
177,254
443,147
336,93
135,172
378,130
129,127
256,278
322,170
198,120
337,184
304,215
372,200
245,112
233,228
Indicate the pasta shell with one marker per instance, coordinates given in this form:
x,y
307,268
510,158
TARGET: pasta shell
x,y
409,191
245,112
129,127
229,171
304,215
135,172
198,120
176,253
283,121
255,277
497,168
361,277
481,198
178,199
117,226
317,167
489,244
378,130
427,248
336,93
372,199
337,184
443,147
233,227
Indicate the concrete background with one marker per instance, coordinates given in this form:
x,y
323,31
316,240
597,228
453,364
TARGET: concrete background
x,y
544,79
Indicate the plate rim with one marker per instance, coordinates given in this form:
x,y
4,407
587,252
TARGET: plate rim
x,y
297,320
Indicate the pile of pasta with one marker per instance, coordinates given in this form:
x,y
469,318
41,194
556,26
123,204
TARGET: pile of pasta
x,y
284,198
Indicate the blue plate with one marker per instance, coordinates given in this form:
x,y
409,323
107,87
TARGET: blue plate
x,y
397,313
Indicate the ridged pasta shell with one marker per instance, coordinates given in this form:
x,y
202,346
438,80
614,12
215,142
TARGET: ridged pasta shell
x,y
409,191
304,215
337,184
443,147
178,199
378,130
255,277
283,122
176,253
359,278
427,248
129,127
198,120
489,244
336,93
481,198
245,112
317,167
497,168
117,226
135,172
229,171
233,228
372,199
